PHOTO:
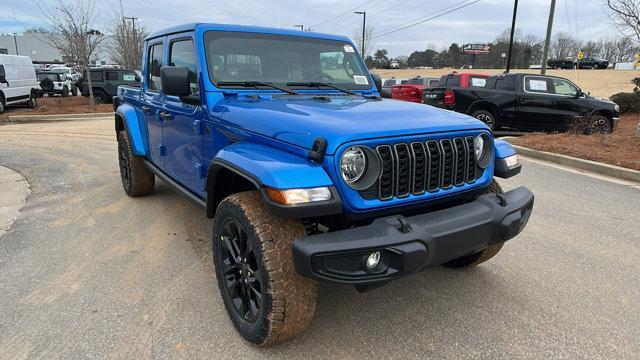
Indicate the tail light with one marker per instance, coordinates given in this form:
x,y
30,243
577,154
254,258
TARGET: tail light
x,y
449,97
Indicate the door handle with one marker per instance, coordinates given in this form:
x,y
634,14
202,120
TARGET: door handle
x,y
166,116
146,110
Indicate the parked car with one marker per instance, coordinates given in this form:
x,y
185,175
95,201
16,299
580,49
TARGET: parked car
x,y
529,102
388,83
18,84
53,83
567,63
105,82
463,80
307,173
412,89
73,75
593,63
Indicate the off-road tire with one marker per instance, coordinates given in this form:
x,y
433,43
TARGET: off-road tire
x,y
483,255
486,117
100,97
65,91
32,103
599,125
2,105
288,300
74,91
137,179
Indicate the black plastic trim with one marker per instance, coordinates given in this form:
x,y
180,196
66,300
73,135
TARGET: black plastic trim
x,y
502,170
172,183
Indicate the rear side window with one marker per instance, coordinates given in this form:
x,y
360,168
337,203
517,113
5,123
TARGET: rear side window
x,y
477,81
181,54
96,76
389,82
2,71
506,83
154,63
453,81
434,82
111,75
536,85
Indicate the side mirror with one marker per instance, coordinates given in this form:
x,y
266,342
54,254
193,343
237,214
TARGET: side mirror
x,y
175,81
377,80
579,93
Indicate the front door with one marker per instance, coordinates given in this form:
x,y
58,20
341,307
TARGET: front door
x,y
569,106
183,127
152,103
536,104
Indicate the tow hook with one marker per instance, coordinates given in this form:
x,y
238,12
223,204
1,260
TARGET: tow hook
x,y
400,223
502,200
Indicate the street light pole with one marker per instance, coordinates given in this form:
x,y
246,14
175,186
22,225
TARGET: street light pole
x,y
513,28
547,41
364,27
15,42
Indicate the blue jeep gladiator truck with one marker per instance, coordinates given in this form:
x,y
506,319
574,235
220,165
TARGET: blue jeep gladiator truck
x,y
282,137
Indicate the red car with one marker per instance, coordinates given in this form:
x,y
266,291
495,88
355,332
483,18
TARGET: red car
x,y
413,89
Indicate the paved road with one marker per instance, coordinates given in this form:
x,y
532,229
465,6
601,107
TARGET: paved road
x,y
86,272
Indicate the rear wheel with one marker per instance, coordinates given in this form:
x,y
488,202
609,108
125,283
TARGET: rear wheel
x,y
100,97
2,104
486,117
137,179
74,91
32,103
483,255
265,297
65,91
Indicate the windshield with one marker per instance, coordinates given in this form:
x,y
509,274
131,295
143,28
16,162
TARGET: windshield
x,y
280,59
50,76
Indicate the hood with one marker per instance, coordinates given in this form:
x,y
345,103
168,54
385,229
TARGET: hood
x,y
299,119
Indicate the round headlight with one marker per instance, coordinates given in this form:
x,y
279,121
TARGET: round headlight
x,y
353,164
483,147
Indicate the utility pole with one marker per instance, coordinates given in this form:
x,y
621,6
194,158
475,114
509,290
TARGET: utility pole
x,y
547,41
15,42
364,28
300,26
133,23
513,28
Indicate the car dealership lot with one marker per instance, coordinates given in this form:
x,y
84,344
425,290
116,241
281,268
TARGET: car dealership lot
x,y
86,271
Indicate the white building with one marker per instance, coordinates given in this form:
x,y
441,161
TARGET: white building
x,y
31,44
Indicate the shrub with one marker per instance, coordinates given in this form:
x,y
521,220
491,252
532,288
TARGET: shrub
x,y
629,102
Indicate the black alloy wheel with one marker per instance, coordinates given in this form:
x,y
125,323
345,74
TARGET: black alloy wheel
x,y
242,274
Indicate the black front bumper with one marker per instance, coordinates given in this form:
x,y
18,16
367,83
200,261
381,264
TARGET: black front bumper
x,y
409,244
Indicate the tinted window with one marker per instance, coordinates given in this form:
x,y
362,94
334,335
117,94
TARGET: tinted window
x,y
536,85
153,67
96,76
389,82
111,75
434,82
181,54
2,70
506,83
564,87
453,81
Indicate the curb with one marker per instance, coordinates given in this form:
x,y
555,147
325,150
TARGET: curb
x,y
14,190
588,165
59,117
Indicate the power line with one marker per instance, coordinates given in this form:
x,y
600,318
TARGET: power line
x,y
390,7
459,5
346,13
334,29
566,8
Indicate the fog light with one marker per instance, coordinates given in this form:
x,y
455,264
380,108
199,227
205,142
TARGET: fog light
x,y
373,260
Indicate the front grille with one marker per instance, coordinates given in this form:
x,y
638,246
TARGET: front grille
x,y
419,167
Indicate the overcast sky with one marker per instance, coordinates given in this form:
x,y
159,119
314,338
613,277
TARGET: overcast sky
x,y
478,22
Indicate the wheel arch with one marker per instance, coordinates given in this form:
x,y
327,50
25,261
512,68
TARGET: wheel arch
x,y
485,105
126,118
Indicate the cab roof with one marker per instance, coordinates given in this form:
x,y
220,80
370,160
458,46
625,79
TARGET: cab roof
x,y
243,28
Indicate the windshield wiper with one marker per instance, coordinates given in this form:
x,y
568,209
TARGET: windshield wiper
x,y
255,84
320,84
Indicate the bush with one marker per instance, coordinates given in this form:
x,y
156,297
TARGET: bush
x,y
628,102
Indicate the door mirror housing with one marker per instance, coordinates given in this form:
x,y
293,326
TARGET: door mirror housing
x,y
377,80
175,82
579,93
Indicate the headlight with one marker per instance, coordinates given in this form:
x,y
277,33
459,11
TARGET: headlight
x,y
617,108
483,147
359,167
353,164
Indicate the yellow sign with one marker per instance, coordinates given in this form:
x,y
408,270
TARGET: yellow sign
x,y
580,55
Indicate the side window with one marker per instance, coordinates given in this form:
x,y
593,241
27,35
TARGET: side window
x,y
2,71
453,81
154,63
181,54
506,83
563,87
111,76
130,77
536,85
96,76
477,81
434,82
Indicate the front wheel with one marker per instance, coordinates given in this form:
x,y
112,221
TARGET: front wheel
x,y
486,117
482,255
265,297
599,125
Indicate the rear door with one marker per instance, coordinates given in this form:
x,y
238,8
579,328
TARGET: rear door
x,y
152,100
183,129
536,104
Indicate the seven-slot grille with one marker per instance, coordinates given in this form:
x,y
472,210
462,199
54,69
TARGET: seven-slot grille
x,y
419,167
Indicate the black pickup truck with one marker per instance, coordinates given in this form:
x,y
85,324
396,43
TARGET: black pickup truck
x,y
528,102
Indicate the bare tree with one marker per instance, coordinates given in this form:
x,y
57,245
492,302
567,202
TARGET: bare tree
x,y
592,48
69,26
625,15
369,41
127,41
563,46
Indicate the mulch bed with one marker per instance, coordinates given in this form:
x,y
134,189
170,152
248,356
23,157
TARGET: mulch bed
x,y
622,148
57,105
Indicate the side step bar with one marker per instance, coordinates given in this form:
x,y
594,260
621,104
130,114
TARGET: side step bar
x,y
177,187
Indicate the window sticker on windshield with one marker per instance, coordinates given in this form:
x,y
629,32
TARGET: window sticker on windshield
x,y
478,82
538,85
128,77
348,48
361,80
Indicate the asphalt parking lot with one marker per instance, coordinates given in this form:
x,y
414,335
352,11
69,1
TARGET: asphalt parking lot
x,y
86,272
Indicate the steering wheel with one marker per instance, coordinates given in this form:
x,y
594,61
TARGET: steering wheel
x,y
321,77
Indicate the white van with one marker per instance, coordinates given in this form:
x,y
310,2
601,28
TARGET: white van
x,y
18,82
